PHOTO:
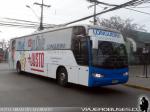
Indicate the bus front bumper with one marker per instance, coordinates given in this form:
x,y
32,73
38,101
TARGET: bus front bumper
x,y
103,77
108,81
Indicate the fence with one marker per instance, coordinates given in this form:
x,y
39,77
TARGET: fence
x,y
139,65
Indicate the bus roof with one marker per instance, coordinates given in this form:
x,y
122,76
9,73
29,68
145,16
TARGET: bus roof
x,y
70,26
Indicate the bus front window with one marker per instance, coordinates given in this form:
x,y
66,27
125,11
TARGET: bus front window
x,y
109,55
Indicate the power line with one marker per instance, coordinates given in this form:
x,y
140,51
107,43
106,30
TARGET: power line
x,y
15,25
10,23
22,20
142,7
138,11
19,23
112,9
31,24
103,3
137,2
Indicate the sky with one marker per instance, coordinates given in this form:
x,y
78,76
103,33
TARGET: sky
x,y
61,11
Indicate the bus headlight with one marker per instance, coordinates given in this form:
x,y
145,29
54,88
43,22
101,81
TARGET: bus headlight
x,y
125,74
98,75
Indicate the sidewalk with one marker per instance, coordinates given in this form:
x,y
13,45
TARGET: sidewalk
x,y
139,82
136,78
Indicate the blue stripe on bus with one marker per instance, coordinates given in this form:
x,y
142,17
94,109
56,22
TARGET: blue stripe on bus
x,y
110,76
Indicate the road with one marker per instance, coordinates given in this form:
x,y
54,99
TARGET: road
x,y
31,91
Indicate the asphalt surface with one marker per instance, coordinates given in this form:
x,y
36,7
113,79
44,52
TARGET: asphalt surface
x,y
28,90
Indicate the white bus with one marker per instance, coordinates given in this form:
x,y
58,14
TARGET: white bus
x,y
81,54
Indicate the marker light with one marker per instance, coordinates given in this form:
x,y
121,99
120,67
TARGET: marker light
x,y
125,74
98,75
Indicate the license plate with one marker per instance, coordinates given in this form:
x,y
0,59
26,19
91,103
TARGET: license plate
x,y
114,81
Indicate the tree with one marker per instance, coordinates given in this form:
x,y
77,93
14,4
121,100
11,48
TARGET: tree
x,y
4,49
126,27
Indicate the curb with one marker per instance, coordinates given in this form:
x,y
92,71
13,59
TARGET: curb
x,y
137,87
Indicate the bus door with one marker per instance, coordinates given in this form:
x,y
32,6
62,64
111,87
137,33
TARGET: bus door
x,y
81,55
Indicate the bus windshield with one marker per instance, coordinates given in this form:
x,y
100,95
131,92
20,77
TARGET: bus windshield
x,y
109,55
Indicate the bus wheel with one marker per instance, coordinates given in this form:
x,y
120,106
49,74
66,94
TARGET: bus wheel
x,y
18,67
62,77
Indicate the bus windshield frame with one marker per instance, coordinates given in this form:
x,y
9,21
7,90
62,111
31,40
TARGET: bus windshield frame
x,y
107,49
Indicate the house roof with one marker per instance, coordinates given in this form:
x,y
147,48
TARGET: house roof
x,y
142,37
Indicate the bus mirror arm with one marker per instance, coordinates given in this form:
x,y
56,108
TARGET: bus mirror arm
x,y
88,37
81,36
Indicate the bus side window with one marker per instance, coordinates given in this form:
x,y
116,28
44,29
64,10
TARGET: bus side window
x,y
80,45
80,50
84,52
76,47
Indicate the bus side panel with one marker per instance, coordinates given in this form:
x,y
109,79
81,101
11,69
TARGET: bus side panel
x,y
72,68
72,74
32,62
63,58
35,62
83,75
43,53
57,40
52,70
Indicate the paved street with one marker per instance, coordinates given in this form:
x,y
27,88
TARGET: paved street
x,y
30,90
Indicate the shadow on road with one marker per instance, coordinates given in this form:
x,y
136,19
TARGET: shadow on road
x,y
105,90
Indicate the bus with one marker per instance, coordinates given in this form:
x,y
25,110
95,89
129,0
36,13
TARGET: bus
x,y
87,55
1,55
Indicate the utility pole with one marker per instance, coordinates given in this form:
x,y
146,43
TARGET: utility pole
x,y
94,15
41,19
95,21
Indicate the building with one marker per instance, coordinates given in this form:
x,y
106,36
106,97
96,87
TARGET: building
x,y
136,44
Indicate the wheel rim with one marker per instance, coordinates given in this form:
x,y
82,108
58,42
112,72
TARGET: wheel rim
x,y
18,68
62,77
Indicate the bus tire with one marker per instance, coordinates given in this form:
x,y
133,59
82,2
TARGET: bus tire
x,y
18,67
62,77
